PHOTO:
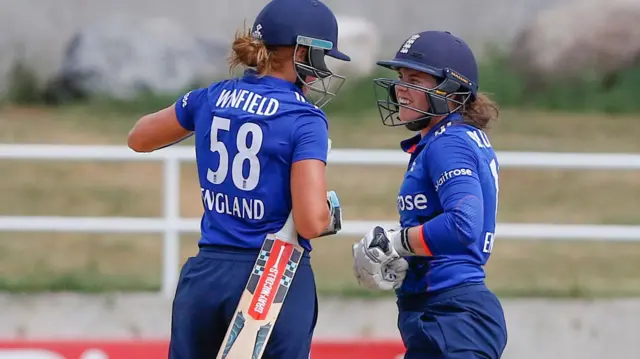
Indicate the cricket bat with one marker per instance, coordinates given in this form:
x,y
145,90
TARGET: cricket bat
x,y
264,294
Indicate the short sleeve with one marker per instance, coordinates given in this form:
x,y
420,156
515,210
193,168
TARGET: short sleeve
x,y
186,107
310,138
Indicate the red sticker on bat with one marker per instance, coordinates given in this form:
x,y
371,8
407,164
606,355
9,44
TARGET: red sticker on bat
x,y
270,280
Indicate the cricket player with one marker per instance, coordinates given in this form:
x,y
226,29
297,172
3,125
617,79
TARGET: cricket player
x,y
447,204
261,145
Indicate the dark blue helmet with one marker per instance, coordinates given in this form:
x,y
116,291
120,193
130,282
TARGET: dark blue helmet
x,y
308,23
442,55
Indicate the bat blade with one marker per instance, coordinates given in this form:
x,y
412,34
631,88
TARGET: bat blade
x,y
262,299
264,294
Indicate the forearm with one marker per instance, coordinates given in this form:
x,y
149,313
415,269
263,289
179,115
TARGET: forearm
x,y
157,130
447,233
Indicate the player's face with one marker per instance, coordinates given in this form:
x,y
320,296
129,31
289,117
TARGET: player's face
x,y
300,56
305,89
412,97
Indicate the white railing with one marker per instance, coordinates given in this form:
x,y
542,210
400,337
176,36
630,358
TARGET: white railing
x,y
171,224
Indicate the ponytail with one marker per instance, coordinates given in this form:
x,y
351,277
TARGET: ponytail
x,y
481,112
249,51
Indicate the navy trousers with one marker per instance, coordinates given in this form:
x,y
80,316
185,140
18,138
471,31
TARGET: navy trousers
x,y
208,291
466,322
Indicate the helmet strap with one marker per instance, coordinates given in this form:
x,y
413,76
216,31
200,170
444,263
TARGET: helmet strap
x,y
300,80
419,124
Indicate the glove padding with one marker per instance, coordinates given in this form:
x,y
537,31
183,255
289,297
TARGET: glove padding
x,y
376,263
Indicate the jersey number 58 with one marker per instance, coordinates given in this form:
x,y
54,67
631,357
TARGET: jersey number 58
x,y
245,153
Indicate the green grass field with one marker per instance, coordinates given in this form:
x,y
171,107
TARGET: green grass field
x,y
63,261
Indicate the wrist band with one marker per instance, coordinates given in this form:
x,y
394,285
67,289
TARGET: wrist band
x,y
404,239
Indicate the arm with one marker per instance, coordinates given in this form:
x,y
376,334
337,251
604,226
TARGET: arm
x,y
309,198
165,127
308,183
460,194
378,262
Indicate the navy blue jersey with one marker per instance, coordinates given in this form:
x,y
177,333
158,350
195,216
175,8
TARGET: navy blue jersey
x,y
248,133
450,189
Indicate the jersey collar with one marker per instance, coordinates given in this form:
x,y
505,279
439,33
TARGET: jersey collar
x,y
251,76
410,145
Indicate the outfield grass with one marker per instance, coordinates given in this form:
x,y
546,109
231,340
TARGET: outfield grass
x,y
61,261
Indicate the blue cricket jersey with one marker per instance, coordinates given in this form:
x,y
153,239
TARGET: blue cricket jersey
x,y
451,190
248,133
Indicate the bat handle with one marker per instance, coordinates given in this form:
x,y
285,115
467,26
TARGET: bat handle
x,y
288,232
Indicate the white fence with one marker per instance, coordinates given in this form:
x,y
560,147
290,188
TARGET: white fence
x,y
171,224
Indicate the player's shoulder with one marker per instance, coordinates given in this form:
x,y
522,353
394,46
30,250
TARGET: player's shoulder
x,y
299,103
299,109
199,96
459,132
215,89
310,111
459,137
449,133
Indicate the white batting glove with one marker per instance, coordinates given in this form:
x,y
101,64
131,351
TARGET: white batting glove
x,y
376,263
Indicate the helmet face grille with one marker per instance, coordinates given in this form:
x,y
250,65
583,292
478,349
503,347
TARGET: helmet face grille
x,y
316,77
438,100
